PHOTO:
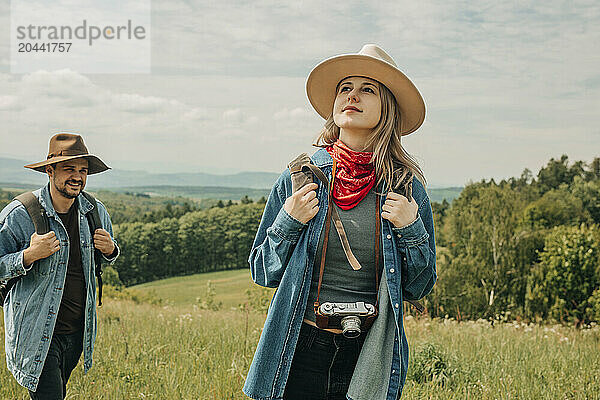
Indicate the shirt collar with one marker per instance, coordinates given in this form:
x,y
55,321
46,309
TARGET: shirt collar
x,y
46,202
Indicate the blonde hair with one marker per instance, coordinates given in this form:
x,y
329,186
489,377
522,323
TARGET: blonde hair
x,y
392,163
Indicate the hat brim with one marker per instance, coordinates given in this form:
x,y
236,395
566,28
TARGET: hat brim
x,y
95,165
323,80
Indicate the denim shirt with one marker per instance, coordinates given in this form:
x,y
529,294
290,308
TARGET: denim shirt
x,y
32,305
282,256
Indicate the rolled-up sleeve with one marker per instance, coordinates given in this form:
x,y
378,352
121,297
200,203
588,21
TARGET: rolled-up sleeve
x,y
286,226
12,242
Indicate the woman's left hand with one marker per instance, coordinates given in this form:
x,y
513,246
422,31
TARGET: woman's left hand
x,y
399,210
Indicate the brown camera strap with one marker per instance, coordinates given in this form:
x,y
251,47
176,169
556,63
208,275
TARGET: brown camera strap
x,y
325,240
377,237
339,227
328,218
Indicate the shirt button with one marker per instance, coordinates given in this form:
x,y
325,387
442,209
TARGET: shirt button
x,y
392,270
396,305
389,236
399,235
393,371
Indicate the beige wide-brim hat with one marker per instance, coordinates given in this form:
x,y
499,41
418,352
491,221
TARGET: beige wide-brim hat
x,y
371,62
68,146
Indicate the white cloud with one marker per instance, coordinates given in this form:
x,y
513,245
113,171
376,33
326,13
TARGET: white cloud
x,y
196,113
66,89
60,87
9,103
253,120
295,114
237,117
233,116
143,104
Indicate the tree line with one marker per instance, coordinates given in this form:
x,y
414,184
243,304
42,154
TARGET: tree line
x,y
215,239
526,247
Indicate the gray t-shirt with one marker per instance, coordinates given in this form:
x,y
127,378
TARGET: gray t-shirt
x,y
340,282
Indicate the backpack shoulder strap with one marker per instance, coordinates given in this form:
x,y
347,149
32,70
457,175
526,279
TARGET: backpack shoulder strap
x,y
35,211
42,226
93,218
94,215
300,170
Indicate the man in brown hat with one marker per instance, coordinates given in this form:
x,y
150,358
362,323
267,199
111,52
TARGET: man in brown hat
x,y
50,310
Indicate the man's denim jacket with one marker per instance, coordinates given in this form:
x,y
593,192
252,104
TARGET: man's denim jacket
x,y
32,305
282,256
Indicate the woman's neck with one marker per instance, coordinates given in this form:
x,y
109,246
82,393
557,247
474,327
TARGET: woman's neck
x,y
355,139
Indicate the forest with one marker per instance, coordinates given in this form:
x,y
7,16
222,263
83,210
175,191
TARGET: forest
x,y
524,248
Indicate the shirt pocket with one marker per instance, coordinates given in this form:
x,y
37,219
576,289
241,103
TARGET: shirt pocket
x,y
47,266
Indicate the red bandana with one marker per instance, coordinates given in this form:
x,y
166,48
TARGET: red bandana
x,y
354,175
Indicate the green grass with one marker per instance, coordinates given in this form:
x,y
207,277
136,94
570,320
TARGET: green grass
x,y
230,287
162,352
181,351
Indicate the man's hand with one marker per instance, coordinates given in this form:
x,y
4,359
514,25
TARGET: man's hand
x,y
103,242
303,205
399,210
40,246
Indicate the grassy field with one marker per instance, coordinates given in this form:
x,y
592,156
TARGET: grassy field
x,y
228,285
178,350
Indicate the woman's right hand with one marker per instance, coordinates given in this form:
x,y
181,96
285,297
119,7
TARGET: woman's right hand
x,y
303,205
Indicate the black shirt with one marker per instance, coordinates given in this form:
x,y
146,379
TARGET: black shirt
x,y
72,305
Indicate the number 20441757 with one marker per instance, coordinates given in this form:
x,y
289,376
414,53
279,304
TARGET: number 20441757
x,y
58,47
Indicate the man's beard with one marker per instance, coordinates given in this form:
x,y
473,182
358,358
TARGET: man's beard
x,y
63,189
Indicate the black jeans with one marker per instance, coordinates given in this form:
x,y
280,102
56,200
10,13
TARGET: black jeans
x,y
322,366
62,358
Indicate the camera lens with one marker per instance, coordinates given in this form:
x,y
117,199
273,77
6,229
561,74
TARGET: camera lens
x,y
351,326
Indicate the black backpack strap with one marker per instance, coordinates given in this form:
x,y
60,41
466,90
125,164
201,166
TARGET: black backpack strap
x,y
42,226
93,218
94,215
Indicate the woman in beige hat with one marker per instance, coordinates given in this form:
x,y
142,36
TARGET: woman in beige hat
x,y
334,328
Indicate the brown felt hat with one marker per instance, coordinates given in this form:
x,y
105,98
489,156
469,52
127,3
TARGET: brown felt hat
x,y
67,146
371,62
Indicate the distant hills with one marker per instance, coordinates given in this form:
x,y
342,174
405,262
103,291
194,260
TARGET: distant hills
x,y
11,170
193,185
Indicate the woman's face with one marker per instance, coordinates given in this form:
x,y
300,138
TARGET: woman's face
x,y
357,104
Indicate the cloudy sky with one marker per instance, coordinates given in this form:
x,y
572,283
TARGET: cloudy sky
x,y
508,85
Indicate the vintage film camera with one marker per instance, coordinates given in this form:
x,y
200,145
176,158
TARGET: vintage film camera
x,y
349,317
